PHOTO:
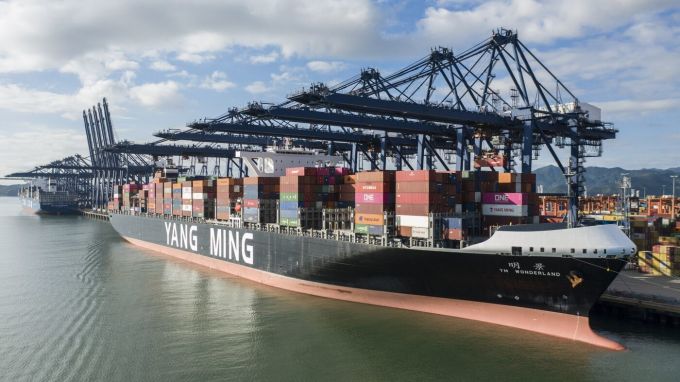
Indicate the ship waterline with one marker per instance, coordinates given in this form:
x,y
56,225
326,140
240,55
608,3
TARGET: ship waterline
x,y
547,295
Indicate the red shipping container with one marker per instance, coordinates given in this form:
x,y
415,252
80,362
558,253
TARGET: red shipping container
x,y
294,179
418,198
421,187
251,203
266,180
418,176
324,171
421,209
404,231
346,197
369,208
299,171
343,188
454,234
376,176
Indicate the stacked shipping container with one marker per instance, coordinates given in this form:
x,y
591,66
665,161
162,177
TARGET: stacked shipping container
x,y
177,199
167,198
229,191
260,196
151,198
421,198
426,204
187,191
374,197
203,199
514,202
130,190
305,192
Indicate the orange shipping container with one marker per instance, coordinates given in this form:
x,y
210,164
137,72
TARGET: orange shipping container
x,y
506,177
229,181
372,219
349,179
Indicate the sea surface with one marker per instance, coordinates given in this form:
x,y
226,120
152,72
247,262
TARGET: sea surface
x,y
77,303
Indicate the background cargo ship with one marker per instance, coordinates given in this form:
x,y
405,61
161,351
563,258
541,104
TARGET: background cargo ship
x,y
388,238
45,198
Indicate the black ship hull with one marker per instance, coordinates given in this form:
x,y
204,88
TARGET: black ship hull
x,y
45,208
550,295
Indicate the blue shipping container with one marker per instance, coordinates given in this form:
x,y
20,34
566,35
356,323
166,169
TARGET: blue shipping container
x,y
288,214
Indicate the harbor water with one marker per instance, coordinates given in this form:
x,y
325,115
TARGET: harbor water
x,y
77,303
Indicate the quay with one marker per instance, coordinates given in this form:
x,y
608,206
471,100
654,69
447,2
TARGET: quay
x,y
643,297
96,215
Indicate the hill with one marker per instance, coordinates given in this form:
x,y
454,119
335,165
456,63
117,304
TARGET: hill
x,y
10,190
602,180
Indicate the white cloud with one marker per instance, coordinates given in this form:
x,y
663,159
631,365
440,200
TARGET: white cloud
x,y
264,58
44,144
257,87
195,58
157,94
43,34
16,98
325,66
217,81
537,21
162,66
637,107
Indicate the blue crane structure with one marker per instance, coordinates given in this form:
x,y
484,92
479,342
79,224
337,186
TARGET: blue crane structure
x,y
443,111
442,97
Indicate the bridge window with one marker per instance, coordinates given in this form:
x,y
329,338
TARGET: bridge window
x,y
531,249
605,251
573,250
554,250
542,249
585,250
595,250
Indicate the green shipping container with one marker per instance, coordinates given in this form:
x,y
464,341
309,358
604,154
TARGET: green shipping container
x,y
290,196
361,228
289,222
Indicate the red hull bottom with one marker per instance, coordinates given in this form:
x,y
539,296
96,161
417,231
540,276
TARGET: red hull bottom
x,y
561,325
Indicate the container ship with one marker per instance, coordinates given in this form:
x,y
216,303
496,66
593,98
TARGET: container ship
x,y
47,200
416,240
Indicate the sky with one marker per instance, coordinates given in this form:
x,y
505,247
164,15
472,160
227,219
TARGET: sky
x,y
162,64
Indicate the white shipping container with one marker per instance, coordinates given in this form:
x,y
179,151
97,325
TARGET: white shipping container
x,y
412,221
199,195
420,232
504,210
186,207
116,195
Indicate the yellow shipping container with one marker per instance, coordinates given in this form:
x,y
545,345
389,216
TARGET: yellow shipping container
x,y
671,240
